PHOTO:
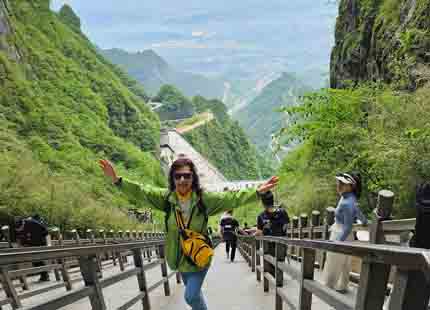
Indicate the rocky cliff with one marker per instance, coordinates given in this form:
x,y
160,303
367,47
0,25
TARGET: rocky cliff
x,y
5,30
386,40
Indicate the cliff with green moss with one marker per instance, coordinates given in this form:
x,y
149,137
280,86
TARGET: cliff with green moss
x,y
382,40
62,107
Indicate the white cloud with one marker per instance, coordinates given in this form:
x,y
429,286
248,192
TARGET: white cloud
x,y
198,45
198,33
203,34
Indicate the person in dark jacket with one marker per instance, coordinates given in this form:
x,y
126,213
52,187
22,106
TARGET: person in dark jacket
x,y
273,221
32,232
229,227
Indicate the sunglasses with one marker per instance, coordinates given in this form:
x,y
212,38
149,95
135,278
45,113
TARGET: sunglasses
x,y
186,176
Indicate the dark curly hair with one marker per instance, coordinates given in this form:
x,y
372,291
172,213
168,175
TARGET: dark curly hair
x,y
357,188
184,162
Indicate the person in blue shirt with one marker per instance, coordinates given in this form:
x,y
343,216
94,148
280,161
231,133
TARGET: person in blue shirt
x,y
338,266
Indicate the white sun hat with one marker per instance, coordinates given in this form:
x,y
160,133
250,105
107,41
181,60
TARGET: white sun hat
x,y
346,178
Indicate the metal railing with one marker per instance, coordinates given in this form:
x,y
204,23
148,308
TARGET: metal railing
x,y
411,285
64,267
382,263
89,267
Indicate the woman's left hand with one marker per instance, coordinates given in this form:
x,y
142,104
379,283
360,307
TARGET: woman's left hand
x,y
265,187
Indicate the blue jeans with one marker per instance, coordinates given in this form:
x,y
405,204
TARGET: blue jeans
x,y
193,289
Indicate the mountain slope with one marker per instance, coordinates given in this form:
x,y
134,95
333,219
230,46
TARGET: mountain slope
x,y
63,106
260,118
224,143
153,72
386,40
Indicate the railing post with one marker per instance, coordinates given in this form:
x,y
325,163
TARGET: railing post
x,y
253,246
148,250
164,270
76,236
384,205
102,234
6,232
279,275
9,288
23,279
64,273
329,216
315,222
294,234
374,276
118,253
141,278
266,266
308,262
155,236
329,220
112,233
373,285
303,224
248,252
258,259
88,267
410,291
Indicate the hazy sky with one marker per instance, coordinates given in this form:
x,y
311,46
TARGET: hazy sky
x,y
301,31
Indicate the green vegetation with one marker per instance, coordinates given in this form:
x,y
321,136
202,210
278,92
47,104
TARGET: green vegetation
x,y
261,117
224,143
382,133
68,16
175,104
194,119
387,41
63,107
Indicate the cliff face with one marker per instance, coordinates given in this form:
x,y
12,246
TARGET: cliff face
x,y
5,31
387,40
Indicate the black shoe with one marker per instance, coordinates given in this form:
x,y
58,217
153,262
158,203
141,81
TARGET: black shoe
x,y
44,279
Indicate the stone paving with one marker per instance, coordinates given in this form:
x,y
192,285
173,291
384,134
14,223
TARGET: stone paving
x,y
229,286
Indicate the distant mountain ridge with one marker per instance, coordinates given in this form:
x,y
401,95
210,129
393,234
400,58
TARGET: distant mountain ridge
x,y
260,118
153,72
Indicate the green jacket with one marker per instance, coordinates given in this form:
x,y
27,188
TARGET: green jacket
x,y
214,203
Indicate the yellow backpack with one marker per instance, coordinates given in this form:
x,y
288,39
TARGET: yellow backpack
x,y
195,246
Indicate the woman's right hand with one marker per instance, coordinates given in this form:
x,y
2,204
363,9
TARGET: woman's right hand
x,y
108,170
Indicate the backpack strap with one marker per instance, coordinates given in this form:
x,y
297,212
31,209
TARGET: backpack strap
x,y
201,206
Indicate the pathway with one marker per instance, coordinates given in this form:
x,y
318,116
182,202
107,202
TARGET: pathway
x,y
229,286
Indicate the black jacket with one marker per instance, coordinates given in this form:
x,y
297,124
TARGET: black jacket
x,y
229,227
273,223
